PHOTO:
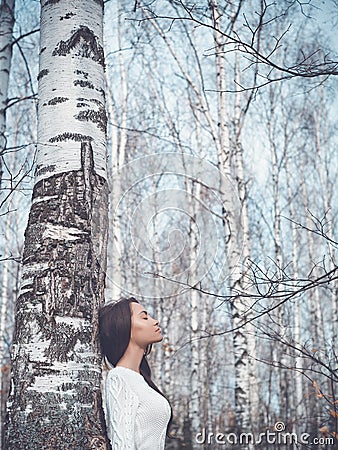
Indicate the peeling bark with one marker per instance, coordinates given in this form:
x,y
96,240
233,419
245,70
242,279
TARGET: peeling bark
x,y
56,372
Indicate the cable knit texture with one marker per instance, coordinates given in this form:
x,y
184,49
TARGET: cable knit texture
x,y
136,415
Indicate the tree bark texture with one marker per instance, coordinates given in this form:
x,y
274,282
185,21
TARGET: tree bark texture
x,y
55,400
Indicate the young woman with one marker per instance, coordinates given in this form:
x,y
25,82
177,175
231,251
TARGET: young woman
x,y
137,414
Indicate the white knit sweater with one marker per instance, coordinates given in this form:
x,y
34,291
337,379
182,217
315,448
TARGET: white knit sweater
x,y
136,415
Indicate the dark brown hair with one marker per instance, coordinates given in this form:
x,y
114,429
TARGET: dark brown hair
x,y
114,334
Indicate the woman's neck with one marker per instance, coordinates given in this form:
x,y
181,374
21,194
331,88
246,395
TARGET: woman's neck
x,y
132,358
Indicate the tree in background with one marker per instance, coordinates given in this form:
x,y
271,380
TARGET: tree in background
x,y
6,36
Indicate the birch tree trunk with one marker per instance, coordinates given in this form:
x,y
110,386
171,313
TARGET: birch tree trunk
x,y
55,398
115,283
237,245
3,317
317,329
298,412
239,170
205,314
326,194
6,35
7,299
279,352
195,390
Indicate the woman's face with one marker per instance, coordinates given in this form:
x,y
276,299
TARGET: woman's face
x,y
144,329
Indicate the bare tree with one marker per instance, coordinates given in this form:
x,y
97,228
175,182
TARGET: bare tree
x,y
273,67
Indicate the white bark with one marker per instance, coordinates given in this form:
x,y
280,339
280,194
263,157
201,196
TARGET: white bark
x,y
244,338
71,88
6,36
115,244
238,167
280,353
195,388
114,286
204,344
298,378
275,186
317,325
322,167
4,307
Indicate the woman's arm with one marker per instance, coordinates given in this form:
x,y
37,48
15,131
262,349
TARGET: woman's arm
x,y
120,409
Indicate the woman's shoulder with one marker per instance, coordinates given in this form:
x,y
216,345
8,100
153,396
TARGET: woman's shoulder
x,y
123,376
118,390
124,372
119,381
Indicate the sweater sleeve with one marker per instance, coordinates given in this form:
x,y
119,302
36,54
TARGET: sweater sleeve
x,y
121,405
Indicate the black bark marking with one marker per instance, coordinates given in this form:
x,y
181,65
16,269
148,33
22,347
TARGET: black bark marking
x,y
87,158
87,165
82,72
57,100
46,367
68,16
97,117
44,169
82,43
84,102
42,73
84,83
101,91
94,100
51,2
70,136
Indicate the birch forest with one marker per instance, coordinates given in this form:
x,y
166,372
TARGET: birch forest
x,y
183,153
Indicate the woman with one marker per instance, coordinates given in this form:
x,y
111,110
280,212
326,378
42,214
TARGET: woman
x,y
137,413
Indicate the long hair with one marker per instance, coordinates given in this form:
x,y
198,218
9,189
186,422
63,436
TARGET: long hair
x,y
114,334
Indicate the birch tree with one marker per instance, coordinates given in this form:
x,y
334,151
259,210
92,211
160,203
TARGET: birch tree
x,y
6,36
55,392
230,161
118,133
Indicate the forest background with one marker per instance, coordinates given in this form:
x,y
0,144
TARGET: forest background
x,y
222,162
